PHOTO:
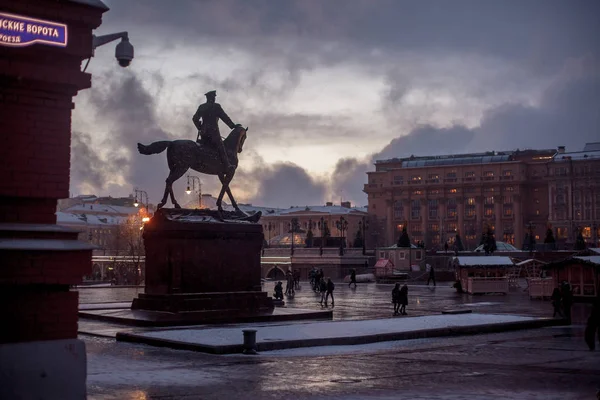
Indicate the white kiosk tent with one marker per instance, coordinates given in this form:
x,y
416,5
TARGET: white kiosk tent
x,y
483,274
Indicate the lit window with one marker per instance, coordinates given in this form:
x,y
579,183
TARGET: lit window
x,y
488,173
454,190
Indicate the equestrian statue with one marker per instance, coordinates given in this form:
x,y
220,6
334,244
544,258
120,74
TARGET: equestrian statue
x,y
208,155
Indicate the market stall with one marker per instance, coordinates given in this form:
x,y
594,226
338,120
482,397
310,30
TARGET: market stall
x,y
483,274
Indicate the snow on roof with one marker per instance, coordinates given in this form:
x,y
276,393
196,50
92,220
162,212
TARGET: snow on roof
x,y
500,246
335,210
101,208
577,155
65,218
530,260
594,250
592,259
483,260
382,262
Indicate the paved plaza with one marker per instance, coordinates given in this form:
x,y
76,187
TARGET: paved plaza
x,y
545,363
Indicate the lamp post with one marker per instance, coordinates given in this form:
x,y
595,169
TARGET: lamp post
x,y
189,190
294,228
342,225
363,225
322,226
270,227
140,194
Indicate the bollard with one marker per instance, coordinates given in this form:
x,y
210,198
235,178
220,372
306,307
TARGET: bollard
x,y
249,341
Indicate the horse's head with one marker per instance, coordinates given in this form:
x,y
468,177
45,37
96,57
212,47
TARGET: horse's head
x,y
242,132
236,139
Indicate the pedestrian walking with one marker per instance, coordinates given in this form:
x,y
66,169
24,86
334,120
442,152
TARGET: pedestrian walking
x,y
556,297
567,299
289,287
278,291
396,298
593,325
431,275
352,278
322,289
403,299
330,288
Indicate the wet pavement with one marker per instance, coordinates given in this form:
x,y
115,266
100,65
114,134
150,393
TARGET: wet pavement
x,y
547,363
370,300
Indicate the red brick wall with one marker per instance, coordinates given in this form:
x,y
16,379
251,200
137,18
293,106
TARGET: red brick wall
x,y
38,315
38,84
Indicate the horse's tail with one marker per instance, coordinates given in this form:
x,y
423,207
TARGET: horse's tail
x,y
154,148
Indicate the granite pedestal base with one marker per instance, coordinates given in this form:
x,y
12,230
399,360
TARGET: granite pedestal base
x,y
199,267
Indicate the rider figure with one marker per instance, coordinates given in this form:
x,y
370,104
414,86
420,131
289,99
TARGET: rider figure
x,y
211,112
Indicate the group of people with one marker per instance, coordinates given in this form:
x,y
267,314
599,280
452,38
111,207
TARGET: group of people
x,y
400,299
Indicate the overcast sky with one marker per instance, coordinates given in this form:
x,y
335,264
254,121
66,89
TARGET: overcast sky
x,y
327,87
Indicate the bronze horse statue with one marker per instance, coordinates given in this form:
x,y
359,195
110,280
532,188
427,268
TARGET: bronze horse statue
x,y
201,157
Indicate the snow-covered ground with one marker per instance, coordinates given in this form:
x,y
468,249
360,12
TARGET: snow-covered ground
x,y
330,329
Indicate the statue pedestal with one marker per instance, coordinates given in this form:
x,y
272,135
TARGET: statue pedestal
x,y
200,267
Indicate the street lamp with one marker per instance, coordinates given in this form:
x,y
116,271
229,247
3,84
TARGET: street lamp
x,y
322,227
194,178
363,225
139,194
341,225
270,227
294,228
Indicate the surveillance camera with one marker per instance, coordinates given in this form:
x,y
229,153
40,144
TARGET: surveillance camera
x,y
124,53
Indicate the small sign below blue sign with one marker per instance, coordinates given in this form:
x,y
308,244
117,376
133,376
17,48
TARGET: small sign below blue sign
x,y
17,30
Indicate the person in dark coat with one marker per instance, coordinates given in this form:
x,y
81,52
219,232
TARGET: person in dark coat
x,y
431,275
330,288
278,291
322,289
403,299
396,298
567,299
556,297
593,325
353,278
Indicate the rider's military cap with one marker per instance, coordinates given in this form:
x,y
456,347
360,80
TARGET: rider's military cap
x,y
212,92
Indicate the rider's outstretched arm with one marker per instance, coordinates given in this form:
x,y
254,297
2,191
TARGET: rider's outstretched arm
x,y
225,118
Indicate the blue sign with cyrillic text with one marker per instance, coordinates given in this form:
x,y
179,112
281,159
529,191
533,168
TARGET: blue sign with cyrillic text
x,y
17,30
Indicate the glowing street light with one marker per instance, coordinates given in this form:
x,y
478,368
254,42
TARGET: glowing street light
x,y
189,190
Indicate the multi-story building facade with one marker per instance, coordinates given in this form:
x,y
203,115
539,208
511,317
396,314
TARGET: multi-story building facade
x,y
574,193
277,223
511,192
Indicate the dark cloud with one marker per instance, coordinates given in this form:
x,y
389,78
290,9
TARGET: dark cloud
x,y
538,34
282,185
87,166
568,115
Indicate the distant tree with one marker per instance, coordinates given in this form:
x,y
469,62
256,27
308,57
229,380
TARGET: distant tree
x,y
127,241
458,244
580,242
404,240
309,237
358,239
549,239
489,245
326,232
